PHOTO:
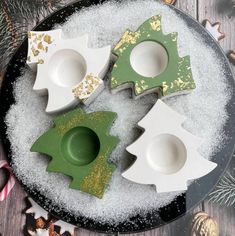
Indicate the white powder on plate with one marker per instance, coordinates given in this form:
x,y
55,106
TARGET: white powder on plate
x,y
204,108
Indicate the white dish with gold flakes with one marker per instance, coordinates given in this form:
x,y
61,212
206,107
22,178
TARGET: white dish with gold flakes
x,y
167,155
67,69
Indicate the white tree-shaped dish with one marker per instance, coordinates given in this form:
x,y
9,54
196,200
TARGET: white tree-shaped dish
x,y
66,68
167,155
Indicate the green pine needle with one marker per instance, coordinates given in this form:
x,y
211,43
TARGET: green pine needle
x,y
224,193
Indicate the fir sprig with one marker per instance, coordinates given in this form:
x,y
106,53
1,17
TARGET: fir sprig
x,y
16,18
224,192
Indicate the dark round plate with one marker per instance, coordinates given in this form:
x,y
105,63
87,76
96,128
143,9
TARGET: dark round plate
x,y
182,204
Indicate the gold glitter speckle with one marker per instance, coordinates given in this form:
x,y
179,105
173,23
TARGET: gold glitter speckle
x,y
96,181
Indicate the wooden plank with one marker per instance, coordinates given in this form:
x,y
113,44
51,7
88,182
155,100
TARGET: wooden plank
x,y
12,219
190,7
221,11
225,216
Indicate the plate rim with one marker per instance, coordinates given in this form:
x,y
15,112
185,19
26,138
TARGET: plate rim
x,y
9,152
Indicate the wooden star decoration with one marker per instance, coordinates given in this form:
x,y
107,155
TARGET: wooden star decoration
x,y
232,55
169,1
214,30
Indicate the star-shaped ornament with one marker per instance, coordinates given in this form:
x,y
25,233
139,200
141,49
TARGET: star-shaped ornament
x,y
232,55
36,210
41,223
65,227
169,1
40,232
214,30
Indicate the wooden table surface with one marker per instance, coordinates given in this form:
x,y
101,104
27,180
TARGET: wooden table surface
x,y
11,217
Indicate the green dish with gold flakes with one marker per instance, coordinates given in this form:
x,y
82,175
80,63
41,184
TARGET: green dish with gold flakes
x,y
148,61
80,145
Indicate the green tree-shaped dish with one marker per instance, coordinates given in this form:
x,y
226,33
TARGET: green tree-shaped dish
x,y
177,76
80,145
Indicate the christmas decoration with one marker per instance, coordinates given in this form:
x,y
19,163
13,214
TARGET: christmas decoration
x,y
80,145
66,68
166,153
36,210
149,62
13,18
232,55
10,182
43,232
204,225
169,1
64,227
224,192
214,30
43,223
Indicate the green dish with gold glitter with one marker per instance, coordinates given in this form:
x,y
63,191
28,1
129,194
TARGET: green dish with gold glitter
x,y
148,61
80,146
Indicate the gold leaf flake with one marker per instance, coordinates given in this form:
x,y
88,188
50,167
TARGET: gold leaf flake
x,y
165,87
35,51
95,182
88,85
47,39
127,38
40,46
40,61
29,35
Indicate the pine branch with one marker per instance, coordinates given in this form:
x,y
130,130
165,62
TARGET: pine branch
x,y
10,36
14,15
35,9
224,193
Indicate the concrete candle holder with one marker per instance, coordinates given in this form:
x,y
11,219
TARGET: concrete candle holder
x,y
148,61
80,145
66,68
166,153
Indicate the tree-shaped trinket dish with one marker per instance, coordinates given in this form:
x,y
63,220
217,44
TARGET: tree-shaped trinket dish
x,y
167,155
80,145
67,69
148,61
